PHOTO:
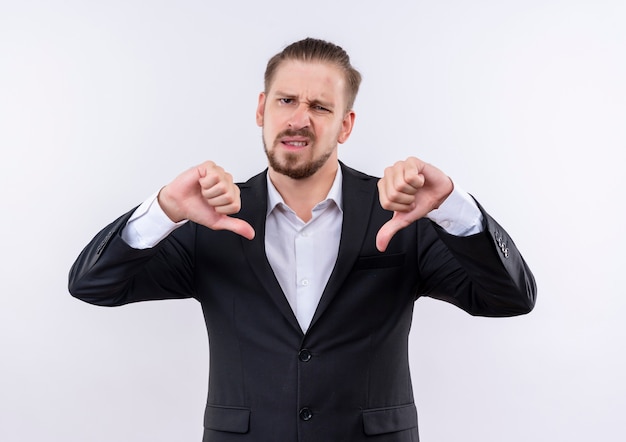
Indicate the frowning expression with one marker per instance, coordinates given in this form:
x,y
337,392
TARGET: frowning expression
x,y
304,116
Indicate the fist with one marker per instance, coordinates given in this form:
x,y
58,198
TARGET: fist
x,y
205,194
410,189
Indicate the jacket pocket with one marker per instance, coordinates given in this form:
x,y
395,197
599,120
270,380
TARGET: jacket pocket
x,y
229,419
389,419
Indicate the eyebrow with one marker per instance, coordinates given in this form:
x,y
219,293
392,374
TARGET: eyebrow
x,y
284,94
314,102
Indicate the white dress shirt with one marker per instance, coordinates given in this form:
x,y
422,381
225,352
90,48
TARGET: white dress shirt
x,y
302,255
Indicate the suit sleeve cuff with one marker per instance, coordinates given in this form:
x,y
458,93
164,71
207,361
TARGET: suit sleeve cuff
x,y
148,225
458,215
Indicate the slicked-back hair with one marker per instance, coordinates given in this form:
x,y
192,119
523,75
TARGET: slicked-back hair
x,y
314,50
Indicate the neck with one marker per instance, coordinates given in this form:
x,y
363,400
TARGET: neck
x,y
303,194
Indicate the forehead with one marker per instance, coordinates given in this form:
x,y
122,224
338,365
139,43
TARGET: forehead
x,y
317,79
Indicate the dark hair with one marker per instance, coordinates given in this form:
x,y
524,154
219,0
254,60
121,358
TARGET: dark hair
x,y
311,49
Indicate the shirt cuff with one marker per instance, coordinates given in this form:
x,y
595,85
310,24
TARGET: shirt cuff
x,y
458,215
148,225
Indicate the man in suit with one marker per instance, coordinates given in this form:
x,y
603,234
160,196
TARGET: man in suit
x,y
307,273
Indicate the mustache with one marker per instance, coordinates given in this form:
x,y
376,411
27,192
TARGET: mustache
x,y
304,132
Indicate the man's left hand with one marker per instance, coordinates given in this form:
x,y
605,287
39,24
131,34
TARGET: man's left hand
x,y
411,189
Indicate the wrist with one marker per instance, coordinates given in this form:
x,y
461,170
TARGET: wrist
x,y
168,206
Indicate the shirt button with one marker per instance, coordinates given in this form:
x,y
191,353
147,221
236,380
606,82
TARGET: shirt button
x,y
306,414
304,355
305,282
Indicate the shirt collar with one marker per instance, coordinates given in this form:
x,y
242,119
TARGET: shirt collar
x,y
334,194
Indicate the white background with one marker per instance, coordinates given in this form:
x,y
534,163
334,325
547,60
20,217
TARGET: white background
x,y
522,103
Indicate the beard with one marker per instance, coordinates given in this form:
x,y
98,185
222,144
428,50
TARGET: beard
x,y
289,166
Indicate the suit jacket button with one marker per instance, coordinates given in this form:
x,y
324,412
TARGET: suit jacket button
x,y
304,355
306,414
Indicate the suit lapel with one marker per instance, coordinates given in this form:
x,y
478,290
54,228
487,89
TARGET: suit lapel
x,y
253,210
358,197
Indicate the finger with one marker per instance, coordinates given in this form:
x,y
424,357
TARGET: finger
x,y
394,206
225,204
384,235
391,199
213,190
224,200
387,232
215,184
413,177
235,225
399,185
401,178
407,175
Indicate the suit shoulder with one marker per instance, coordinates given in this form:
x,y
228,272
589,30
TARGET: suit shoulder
x,y
253,181
357,173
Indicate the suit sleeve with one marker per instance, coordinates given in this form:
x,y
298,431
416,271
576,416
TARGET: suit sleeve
x,y
484,274
109,272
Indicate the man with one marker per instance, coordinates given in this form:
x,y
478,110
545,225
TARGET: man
x,y
307,274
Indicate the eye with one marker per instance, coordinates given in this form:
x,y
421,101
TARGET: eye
x,y
319,108
285,100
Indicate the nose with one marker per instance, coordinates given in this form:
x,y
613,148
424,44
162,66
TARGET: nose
x,y
300,117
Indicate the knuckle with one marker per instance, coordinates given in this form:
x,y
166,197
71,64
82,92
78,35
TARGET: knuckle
x,y
394,194
220,187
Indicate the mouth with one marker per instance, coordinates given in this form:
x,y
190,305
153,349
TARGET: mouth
x,y
295,143
295,140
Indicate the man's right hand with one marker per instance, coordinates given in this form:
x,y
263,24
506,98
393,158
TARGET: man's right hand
x,y
206,195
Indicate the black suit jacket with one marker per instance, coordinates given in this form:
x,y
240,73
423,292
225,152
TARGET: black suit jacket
x,y
347,378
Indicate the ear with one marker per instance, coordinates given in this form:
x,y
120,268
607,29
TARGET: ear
x,y
346,127
260,110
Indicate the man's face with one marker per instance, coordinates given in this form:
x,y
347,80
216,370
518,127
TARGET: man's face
x,y
304,116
